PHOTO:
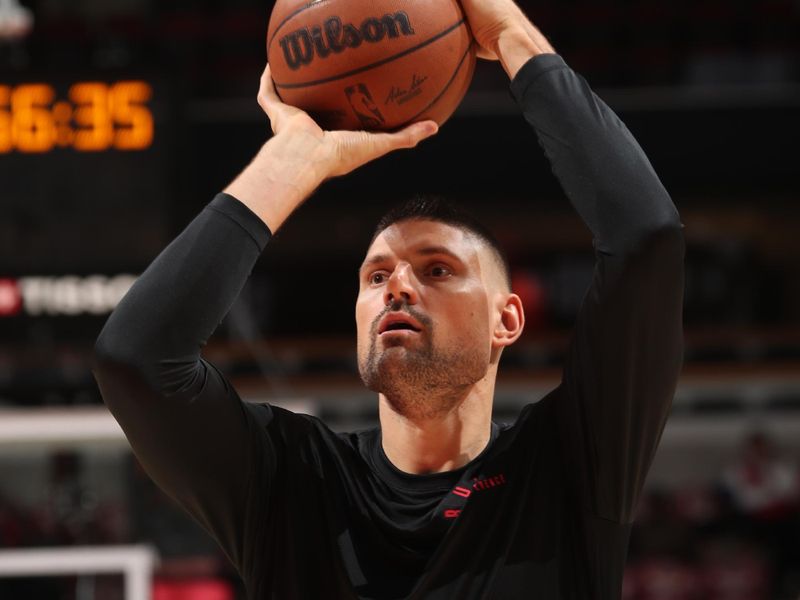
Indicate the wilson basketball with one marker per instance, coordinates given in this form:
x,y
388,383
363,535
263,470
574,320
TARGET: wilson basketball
x,y
371,64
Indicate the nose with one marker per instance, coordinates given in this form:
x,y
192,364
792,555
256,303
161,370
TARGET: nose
x,y
400,287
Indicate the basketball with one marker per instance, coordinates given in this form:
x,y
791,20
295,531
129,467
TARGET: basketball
x,y
375,64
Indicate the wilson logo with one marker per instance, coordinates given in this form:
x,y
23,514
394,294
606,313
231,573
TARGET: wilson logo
x,y
302,46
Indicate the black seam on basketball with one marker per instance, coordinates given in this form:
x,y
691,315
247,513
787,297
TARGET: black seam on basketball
x,y
449,83
291,16
383,61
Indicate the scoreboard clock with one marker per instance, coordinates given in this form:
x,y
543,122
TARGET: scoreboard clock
x,y
94,117
87,188
87,171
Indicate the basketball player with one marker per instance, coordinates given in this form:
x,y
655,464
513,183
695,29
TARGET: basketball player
x,y
438,502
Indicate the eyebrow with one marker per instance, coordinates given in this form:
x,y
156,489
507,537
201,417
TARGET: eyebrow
x,y
425,251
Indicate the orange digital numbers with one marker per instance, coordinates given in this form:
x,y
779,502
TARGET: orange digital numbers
x,y
95,117
32,127
95,130
128,101
6,141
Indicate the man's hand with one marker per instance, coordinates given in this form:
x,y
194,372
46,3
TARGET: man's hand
x,y
301,155
334,153
504,33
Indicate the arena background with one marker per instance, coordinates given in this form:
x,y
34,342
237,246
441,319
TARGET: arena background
x,y
132,114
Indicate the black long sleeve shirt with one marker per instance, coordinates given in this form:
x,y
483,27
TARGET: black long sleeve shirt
x,y
303,512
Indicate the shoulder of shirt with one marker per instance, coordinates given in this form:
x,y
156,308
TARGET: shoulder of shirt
x,y
296,423
533,414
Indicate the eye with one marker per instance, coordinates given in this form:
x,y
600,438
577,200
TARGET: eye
x,y
439,271
377,278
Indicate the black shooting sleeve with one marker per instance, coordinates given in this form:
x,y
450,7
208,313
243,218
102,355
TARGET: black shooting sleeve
x,y
184,420
626,352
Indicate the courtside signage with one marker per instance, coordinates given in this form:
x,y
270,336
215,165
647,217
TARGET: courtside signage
x,y
67,295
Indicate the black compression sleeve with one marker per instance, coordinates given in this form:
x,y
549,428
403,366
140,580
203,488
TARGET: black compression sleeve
x,y
178,302
626,352
601,167
183,419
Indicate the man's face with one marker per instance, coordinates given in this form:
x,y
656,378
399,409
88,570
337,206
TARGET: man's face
x,y
424,313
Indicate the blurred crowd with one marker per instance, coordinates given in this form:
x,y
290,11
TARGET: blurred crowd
x,y
738,539
74,512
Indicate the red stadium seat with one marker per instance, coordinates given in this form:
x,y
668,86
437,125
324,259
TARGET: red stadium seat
x,y
194,589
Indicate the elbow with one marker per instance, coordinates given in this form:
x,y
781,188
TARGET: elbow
x,y
120,344
662,249
662,238
113,369
667,237
126,353
106,351
110,353
118,371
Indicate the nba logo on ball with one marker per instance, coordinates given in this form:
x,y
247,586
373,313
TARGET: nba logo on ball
x,y
360,65
363,106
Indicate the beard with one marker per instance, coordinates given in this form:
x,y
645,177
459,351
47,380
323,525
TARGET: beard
x,y
419,380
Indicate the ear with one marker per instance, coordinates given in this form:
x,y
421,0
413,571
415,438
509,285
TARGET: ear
x,y
510,322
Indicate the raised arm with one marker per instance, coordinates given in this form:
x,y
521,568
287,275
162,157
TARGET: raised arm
x,y
626,352
185,422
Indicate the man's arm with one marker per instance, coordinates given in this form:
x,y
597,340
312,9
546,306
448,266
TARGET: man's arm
x,y
302,155
625,357
184,420
626,353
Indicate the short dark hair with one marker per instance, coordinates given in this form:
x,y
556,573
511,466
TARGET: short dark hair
x,y
443,210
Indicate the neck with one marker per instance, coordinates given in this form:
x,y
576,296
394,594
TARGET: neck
x,y
444,442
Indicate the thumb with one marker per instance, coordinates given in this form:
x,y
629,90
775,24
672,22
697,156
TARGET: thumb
x,y
355,148
408,137
416,132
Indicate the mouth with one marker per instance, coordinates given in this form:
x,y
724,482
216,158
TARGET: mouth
x,y
398,331
398,323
